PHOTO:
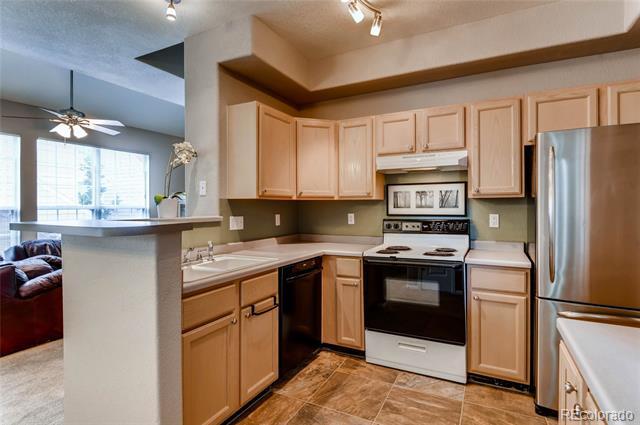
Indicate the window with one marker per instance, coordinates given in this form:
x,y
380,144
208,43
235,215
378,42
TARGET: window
x,y
77,182
9,188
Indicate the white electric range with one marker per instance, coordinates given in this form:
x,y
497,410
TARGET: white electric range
x,y
415,297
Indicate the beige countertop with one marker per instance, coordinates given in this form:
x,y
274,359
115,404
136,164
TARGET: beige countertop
x,y
607,356
501,254
284,254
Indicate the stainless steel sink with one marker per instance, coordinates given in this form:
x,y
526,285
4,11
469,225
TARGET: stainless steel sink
x,y
220,264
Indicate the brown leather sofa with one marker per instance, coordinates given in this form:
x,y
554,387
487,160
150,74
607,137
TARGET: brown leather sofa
x,y
30,295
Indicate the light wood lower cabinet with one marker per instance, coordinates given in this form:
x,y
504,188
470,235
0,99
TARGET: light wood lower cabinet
x,y
499,323
259,336
210,368
342,302
233,356
573,394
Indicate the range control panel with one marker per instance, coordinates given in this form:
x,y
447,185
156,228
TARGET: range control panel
x,y
438,226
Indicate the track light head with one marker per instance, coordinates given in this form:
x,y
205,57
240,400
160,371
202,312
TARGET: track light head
x,y
171,14
376,25
355,12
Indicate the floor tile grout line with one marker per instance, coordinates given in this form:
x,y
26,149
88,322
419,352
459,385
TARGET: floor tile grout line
x,y
385,399
464,393
506,410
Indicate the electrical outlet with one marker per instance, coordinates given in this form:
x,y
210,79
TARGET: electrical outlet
x,y
236,222
351,218
277,219
203,188
494,220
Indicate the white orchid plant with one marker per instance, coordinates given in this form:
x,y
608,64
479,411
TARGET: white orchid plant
x,y
182,154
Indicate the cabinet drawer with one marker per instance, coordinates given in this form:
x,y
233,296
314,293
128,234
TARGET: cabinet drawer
x,y
348,267
499,279
211,305
258,288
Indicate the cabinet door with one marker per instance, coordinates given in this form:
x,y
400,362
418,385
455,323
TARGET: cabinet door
x,y
496,150
210,371
561,110
499,336
396,133
441,128
570,386
258,348
349,312
276,154
316,155
355,158
623,103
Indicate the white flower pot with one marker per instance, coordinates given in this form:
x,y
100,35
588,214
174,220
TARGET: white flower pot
x,y
168,208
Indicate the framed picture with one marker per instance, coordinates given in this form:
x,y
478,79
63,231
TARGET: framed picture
x,y
427,199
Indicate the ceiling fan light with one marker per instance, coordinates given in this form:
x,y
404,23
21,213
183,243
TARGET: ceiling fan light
x,y
79,132
355,12
171,12
376,26
62,129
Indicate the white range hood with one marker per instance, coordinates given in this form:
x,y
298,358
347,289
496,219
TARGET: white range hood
x,y
442,161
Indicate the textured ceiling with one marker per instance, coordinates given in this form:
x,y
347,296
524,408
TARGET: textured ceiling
x,y
101,38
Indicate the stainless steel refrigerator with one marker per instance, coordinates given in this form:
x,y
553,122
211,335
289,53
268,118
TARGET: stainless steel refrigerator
x,y
587,237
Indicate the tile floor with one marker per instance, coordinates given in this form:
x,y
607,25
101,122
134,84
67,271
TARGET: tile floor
x,y
336,389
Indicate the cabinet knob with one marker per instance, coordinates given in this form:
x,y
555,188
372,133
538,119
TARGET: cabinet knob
x,y
234,321
579,412
475,297
300,193
409,147
569,387
476,190
247,314
425,145
263,191
369,193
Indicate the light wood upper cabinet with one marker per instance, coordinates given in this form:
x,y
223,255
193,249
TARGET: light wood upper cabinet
x,y
276,154
396,133
349,311
210,378
357,177
498,343
496,149
317,158
561,110
441,128
622,103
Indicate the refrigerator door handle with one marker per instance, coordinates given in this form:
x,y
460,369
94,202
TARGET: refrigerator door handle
x,y
602,318
551,201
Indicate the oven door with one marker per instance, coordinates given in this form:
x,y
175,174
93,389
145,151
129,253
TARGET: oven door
x,y
417,299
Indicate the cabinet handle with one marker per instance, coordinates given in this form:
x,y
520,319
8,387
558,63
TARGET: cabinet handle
x,y
350,284
475,297
569,387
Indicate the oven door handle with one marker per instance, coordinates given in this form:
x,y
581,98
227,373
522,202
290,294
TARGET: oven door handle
x,y
416,264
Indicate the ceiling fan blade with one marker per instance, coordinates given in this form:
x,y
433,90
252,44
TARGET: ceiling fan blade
x,y
25,118
101,129
104,122
52,112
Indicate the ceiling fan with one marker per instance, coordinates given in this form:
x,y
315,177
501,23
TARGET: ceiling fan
x,y
73,122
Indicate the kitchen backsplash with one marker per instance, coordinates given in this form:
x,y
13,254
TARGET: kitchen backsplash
x,y
517,216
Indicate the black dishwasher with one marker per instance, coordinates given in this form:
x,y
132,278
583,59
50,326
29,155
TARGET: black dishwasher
x,y
300,312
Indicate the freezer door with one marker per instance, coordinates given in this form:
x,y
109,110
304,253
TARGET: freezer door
x,y
546,345
588,231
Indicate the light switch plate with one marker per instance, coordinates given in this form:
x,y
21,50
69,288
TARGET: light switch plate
x,y
494,220
277,219
236,222
351,218
203,188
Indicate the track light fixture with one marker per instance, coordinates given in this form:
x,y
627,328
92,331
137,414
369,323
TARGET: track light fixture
x,y
353,6
171,10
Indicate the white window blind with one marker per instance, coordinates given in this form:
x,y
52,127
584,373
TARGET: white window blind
x,y
9,188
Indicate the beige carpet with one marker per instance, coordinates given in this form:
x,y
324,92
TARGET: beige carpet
x,y
31,387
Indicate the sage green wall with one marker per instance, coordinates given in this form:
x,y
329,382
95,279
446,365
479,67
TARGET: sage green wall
x,y
517,215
